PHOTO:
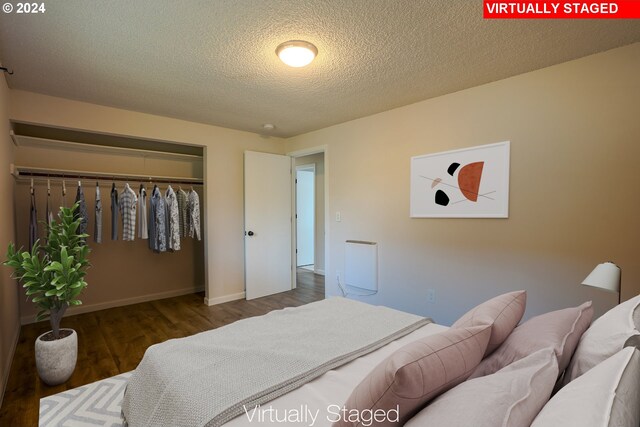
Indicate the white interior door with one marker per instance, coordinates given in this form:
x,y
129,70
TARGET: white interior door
x,y
267,220
305,215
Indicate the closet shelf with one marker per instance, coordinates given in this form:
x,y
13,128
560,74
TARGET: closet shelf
x,y
36,142
25,172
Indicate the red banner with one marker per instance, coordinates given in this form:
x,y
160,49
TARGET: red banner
x,y
562,9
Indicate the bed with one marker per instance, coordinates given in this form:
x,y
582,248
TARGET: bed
x,y
392,361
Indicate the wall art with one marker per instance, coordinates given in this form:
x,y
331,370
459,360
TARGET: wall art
x,y
468,183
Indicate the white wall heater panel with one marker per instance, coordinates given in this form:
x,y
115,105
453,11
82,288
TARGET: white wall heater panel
x,y
361,264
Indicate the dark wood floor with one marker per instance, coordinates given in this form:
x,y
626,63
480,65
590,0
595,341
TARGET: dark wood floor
x,y
113,341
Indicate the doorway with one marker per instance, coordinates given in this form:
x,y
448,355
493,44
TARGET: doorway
x,y
309,241
305,216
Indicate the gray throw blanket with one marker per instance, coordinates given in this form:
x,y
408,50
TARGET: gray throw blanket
x,y
206,379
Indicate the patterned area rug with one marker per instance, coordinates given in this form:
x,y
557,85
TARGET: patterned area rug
x,y
95,404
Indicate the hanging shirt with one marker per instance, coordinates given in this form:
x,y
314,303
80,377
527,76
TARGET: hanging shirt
x,y
48,214
49,217
157,224
193,212
64,194
182,212
97,232
128,204
81,212
115,212
143,228
33,221
153,203
172,220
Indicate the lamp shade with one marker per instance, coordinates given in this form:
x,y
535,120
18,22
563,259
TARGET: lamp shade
x,y
605,276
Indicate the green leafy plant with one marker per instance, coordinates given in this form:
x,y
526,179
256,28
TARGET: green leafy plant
x,y
53,274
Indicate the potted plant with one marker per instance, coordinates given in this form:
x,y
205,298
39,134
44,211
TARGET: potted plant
x,y
53,276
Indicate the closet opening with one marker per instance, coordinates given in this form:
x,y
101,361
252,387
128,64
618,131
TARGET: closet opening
x,y
126,268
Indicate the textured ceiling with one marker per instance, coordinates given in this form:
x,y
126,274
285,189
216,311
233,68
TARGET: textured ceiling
x,y
214,61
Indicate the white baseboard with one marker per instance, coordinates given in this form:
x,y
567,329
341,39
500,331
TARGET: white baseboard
x,y
319,272
79,309
223,299
7,369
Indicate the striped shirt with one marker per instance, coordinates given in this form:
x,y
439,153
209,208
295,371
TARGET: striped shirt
x,y
143,229
114,212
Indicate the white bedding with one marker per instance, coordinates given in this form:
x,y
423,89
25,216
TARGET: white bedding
x,y
315,403
208,378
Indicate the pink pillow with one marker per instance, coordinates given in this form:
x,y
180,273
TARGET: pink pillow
x,y
560,330
400,386
503,314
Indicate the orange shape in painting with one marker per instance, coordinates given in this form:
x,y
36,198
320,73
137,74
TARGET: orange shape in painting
x,y
469,180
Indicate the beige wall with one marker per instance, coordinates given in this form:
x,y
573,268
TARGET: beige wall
x,y
121,272
9,322
317,160
575,145
223,171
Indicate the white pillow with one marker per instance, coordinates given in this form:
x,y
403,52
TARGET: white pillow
x,y
606,396
511,397
604,338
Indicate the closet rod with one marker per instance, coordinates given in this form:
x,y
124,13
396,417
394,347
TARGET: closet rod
x,y
24,173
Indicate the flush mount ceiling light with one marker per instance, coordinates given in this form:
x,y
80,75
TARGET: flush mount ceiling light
x,y
296,53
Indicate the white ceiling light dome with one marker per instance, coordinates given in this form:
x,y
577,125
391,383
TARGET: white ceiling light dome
x,y
296,53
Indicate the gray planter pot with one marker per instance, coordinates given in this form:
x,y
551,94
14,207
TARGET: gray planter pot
x,y
56,359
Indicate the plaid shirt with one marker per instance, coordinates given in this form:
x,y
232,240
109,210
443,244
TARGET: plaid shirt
x,y
182,211
128,204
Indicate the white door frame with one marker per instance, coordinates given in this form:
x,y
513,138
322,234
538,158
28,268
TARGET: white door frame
x,y
327,218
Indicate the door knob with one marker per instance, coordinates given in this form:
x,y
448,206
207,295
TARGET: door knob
x,y
250,233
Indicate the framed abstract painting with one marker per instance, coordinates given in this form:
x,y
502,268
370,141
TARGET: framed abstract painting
x,y
468,183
